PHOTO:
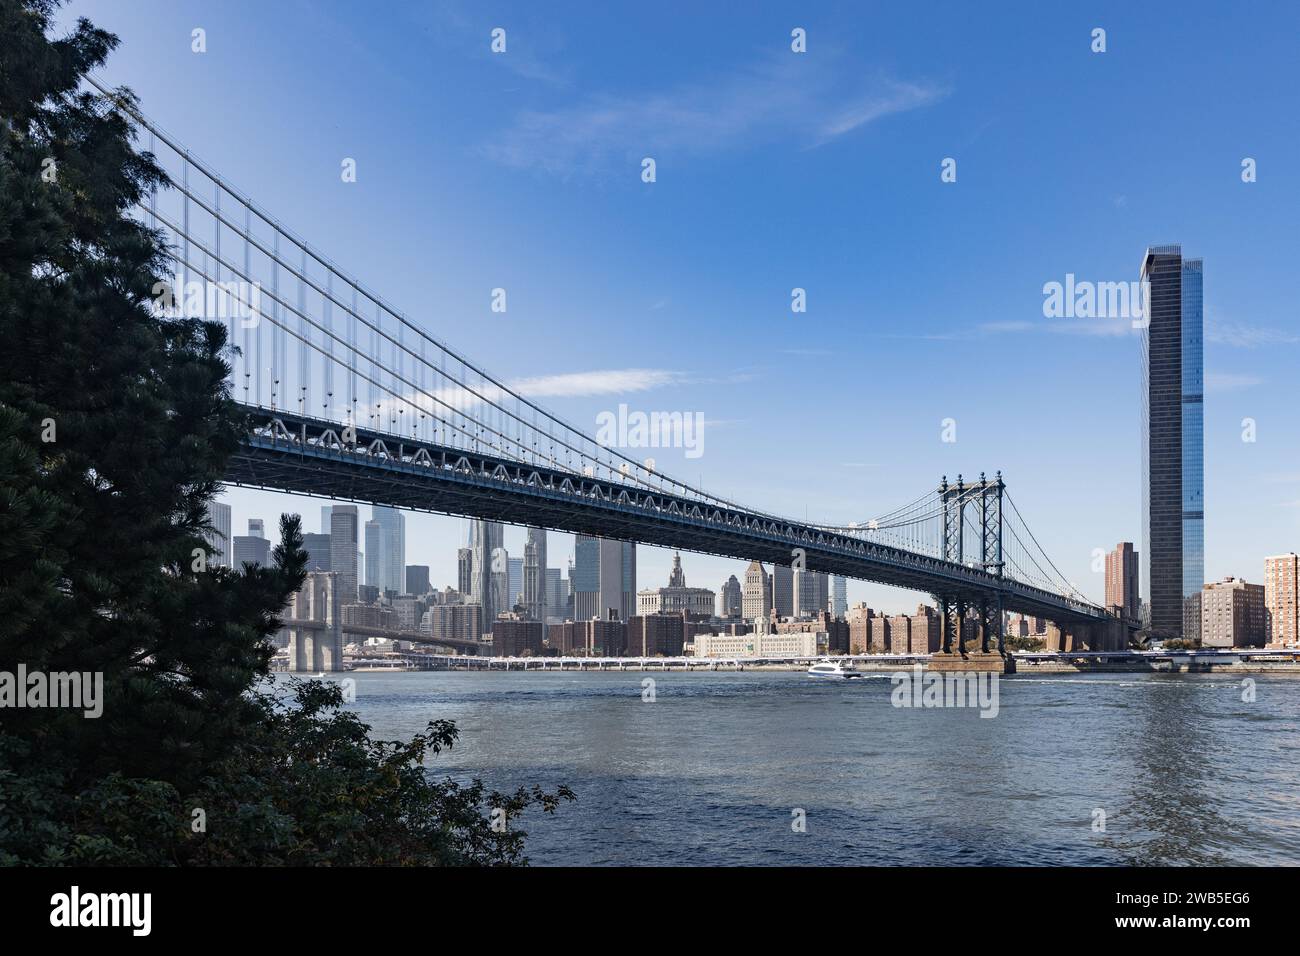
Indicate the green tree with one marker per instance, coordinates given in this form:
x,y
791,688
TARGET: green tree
x,y
115,428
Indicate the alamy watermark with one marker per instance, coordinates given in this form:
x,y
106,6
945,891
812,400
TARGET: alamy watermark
x,y
921,688
1083,299
202,299
624,429
77,690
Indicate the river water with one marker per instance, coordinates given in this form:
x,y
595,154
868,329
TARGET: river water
x,y
778,768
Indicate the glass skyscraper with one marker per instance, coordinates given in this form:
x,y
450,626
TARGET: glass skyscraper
x,y
1173,474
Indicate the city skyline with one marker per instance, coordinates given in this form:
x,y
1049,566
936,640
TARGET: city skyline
x,y
871,306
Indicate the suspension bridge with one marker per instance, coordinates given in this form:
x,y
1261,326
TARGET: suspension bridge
x,y
348,398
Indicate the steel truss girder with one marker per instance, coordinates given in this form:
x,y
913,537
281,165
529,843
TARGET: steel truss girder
x,y
301,455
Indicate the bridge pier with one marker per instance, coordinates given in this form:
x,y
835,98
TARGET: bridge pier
x,y
954,655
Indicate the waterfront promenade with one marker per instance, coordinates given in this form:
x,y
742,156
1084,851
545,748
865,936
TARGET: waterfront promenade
x,y
1241,661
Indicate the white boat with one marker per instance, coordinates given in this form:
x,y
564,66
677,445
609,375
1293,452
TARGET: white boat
x,y
833,669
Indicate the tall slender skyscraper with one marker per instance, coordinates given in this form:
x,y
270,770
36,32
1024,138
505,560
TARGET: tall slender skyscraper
x,y
465,571
220,543
389,559
1122,579
490,571
585,575
839,596
1173,488
343,550
535,575
373,551
781,582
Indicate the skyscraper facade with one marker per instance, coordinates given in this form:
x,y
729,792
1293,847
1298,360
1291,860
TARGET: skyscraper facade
x,y
730,598
535,590
220,546
839,596
585,575
611,607
465,571
389,558
343,550
317,547
417,579
781,582
756,595
489,570
1173,493
811,593
371,573
557,596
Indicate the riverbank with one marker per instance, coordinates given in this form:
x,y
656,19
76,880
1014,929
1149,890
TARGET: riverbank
x,y
1245,667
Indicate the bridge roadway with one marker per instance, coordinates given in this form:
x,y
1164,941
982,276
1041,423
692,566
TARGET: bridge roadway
x,y
303,455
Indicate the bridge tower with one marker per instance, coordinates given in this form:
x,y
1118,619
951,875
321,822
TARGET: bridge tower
x,y
985,498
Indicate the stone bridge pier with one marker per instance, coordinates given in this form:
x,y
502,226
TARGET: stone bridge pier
x,y
315,625
1107,636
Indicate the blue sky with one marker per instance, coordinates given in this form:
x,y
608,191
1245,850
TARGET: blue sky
x,y
778,170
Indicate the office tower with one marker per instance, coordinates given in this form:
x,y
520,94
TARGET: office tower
x,y
1122,580
317,547
501,601
1232,614
585,575
343,550
610,602
417,579
325,519
557,595
256,529
534,570
811,593
627,553
515,582
1172,564
464,571
1281,589
220,546
386,562
756,595
729,598
251,549
839,596
371,576
782,584
489,570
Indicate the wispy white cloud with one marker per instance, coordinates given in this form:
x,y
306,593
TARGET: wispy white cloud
x,y
602,382
1107,328
590,384
1229,382
1243,336
785,98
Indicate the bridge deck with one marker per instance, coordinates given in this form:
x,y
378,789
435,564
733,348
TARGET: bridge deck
x,y
303,455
